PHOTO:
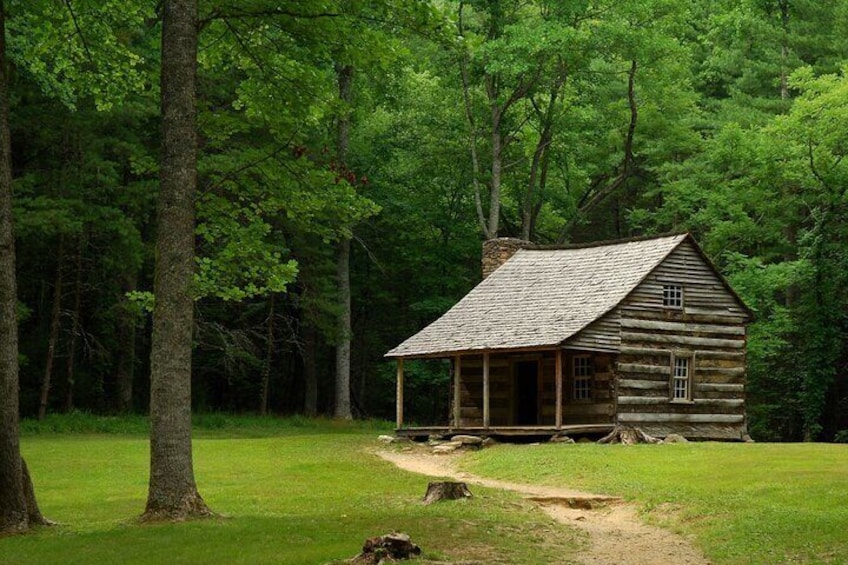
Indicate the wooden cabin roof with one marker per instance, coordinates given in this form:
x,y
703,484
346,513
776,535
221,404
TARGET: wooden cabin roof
x,y
540,297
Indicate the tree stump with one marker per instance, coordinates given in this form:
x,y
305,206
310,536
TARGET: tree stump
x,y
446,490
386,549
627,435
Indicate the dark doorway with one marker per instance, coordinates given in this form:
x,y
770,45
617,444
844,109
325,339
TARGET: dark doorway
x,y
527,393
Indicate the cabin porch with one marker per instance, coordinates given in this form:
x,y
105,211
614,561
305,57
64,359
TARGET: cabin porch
x,y
524,393
506,432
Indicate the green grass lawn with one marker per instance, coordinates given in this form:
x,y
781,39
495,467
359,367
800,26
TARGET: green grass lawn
x,y
310,491
742,503
290,491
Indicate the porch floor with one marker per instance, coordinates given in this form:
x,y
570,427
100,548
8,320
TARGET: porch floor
x,y
504,431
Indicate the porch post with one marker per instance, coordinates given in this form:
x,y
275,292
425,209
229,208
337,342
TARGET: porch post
x,y
558,370
399,405
486,389
457,393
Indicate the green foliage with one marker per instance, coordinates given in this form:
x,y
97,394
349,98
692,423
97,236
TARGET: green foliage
x,y
739,139
91,50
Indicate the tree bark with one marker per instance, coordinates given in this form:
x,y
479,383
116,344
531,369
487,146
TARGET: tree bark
x,y
172,492
55,320
125,364
269,354
446,490
603,187
310,370
342,405
17,497
343,327
538,166
74,331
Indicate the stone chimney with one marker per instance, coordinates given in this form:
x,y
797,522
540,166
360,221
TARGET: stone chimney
x,y
497,251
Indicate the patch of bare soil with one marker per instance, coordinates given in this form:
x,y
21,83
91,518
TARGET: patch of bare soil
x,y
616,534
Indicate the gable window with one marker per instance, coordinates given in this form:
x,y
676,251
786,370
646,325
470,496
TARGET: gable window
x,y
583,372
681,379
672,296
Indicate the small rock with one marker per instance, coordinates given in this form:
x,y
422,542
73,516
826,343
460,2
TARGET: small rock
x,y
561,439
448,447
675,438
386,439
467,440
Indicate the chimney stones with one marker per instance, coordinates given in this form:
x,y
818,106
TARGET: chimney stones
x,y
497,251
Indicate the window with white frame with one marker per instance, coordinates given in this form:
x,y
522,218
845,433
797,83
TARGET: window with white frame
x,y
681,378
582,372
672,296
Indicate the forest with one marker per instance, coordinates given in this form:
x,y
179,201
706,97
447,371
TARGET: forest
x,y
352,156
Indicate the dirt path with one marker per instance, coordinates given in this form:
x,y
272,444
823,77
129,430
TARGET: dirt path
x,y
616,534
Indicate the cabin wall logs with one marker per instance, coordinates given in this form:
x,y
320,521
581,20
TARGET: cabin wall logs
x,y
709,330
505,396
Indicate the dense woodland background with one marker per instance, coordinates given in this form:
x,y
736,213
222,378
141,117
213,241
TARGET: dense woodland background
x,y
367,148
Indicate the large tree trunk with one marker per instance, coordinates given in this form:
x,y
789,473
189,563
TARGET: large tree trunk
x,y
172,490
53,338
344,74
342,406
18,509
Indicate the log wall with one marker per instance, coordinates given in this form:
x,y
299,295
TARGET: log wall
x,y
709,329
501,391
600,409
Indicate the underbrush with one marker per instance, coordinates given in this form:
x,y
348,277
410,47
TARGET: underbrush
x,y
203,424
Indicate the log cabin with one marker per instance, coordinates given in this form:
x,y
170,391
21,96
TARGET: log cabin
x,y
579,339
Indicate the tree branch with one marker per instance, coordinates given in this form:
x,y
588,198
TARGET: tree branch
x,y
475,162
592,198
79,32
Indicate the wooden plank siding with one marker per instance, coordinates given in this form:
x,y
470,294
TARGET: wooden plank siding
x,y
603,334
709,330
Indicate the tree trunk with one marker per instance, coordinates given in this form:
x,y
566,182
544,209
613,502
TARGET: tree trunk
x,y
125,364
55,320
75,316
342,406
628,435
269,353
446,490
172,492
343,328
605,185
33,511
497,165
17,497
310,371
783,6
538,166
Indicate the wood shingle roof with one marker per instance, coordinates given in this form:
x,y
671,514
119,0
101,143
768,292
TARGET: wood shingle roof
x,y
540,298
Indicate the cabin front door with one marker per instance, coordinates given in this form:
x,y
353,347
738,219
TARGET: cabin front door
x,y
527,393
